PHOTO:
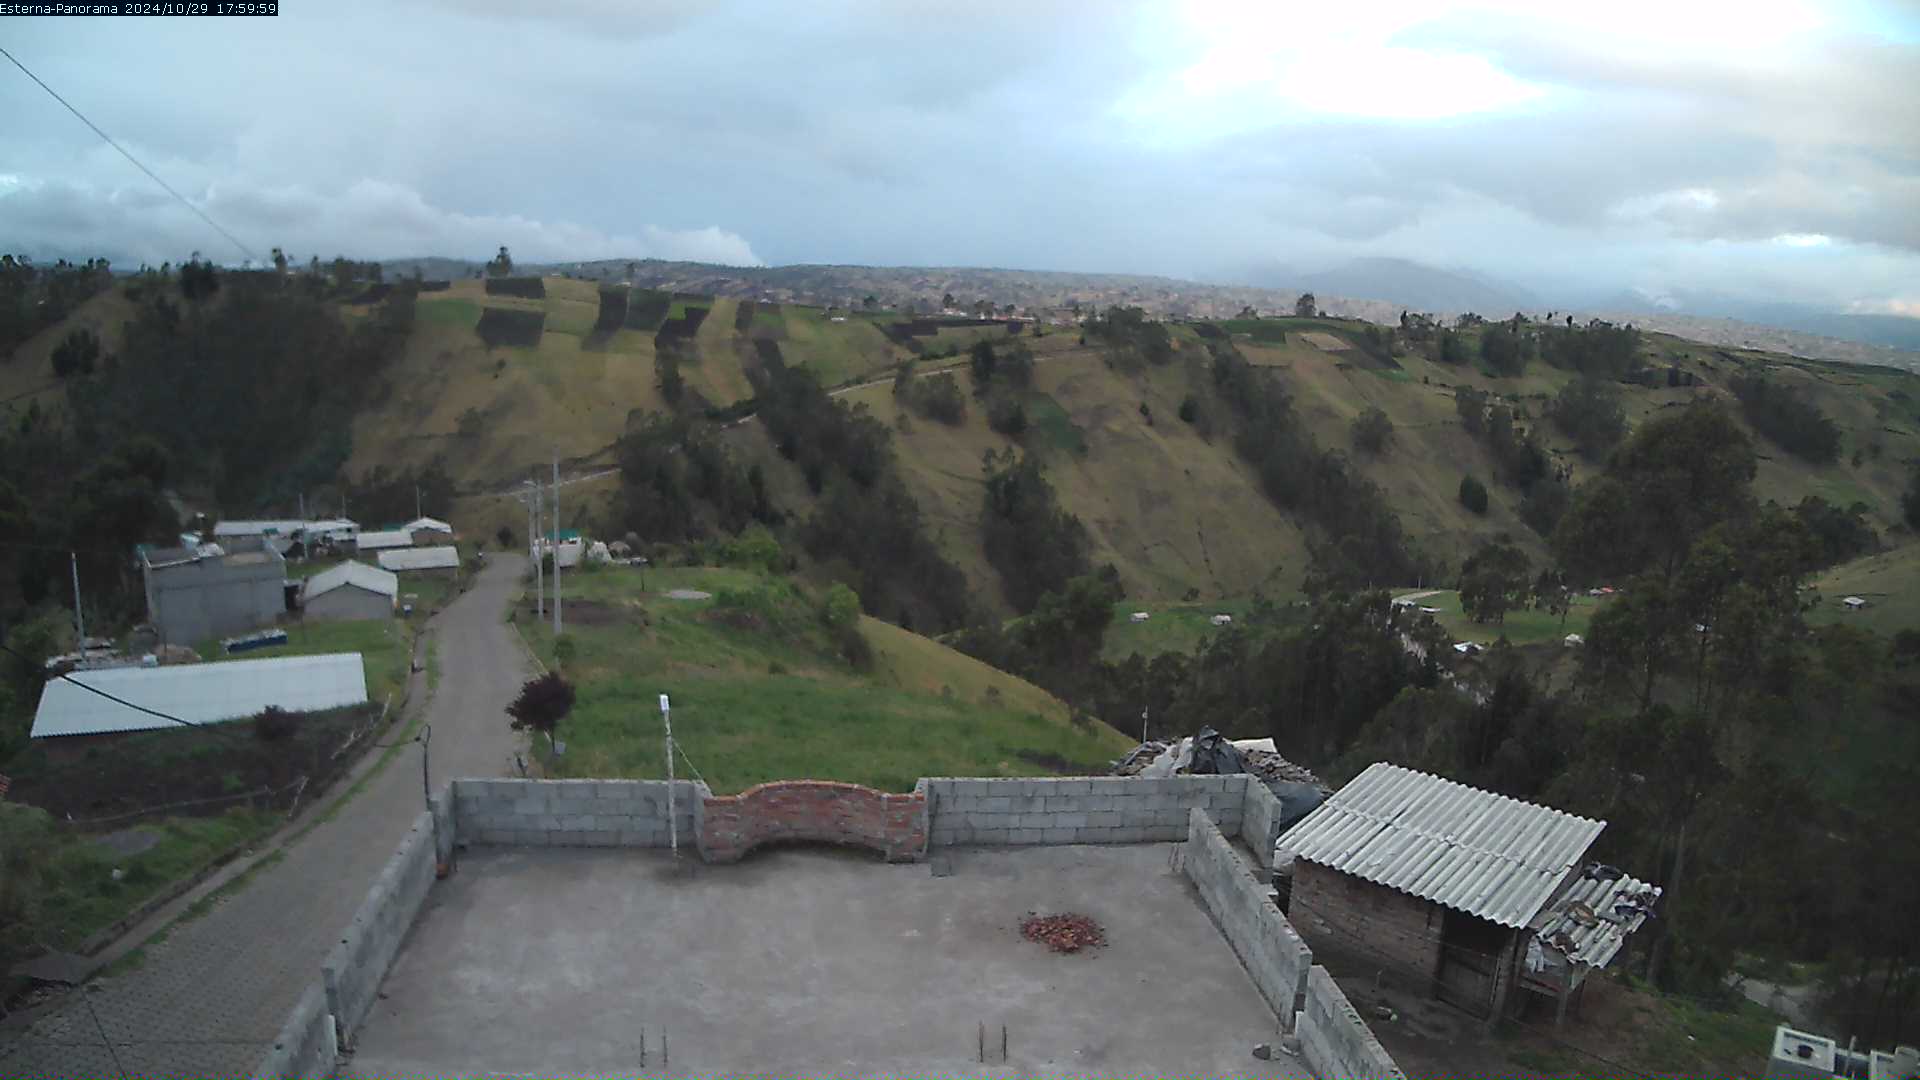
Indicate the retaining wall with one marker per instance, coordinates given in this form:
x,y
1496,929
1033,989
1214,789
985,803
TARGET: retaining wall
x,y
354,968
824,810
576,813
1078,810
307,1044
1334,1040
1270,950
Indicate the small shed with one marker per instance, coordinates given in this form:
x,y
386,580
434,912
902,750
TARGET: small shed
x,y
1221,620
1455,886
351,590
1138,616
428,525
443,560
1854,603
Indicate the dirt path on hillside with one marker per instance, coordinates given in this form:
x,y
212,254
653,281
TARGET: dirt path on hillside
x,y
209,999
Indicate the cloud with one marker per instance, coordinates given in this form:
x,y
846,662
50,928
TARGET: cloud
x,y
368,219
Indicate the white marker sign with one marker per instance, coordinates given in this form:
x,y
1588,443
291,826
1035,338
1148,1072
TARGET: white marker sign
x,y
663,703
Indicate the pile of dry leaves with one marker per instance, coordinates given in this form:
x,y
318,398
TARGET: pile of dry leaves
x,y
1063,933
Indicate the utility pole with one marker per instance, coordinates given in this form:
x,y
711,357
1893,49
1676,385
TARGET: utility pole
x,y
556,545
79,618
416,501
533,541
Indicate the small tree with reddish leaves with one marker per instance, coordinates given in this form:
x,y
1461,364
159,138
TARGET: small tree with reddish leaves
x,y
543,702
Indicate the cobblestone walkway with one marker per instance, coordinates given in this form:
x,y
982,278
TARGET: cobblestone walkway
x,y
209,999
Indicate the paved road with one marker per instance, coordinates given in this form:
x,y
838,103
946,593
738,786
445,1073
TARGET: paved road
x,y
210,998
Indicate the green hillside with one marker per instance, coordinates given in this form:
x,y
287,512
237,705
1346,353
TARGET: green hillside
x,y
761,692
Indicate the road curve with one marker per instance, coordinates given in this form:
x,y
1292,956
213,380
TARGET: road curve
x,y
209,999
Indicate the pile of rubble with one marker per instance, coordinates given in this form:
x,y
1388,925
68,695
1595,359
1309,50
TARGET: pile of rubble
x,y
1063,933
1155,758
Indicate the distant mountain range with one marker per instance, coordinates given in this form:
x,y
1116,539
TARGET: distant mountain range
x,y
1376,289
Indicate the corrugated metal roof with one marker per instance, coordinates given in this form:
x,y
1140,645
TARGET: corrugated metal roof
x,y
198,693
427,524
387,538
1484,854
1591,921
429,558
373,579
278,527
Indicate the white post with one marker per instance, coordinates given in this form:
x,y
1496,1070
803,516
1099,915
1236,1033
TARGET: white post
x,y
556,545
79,617
673,822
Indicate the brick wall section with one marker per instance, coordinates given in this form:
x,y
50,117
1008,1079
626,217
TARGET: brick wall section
x,y
1078,810
823,810
1273,954
576,813
1334,1040
1346,913
354,968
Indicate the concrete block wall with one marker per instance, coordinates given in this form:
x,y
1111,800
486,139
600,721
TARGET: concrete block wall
x,y
1273,954
1260,822
355,966
1334,1040
1343,911
1077,810
576,813
306,1047
894,825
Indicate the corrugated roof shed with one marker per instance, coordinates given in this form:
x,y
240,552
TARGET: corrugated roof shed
x,y
428,558
427,524
1474,851
388,538
198,693
1591,921
370,578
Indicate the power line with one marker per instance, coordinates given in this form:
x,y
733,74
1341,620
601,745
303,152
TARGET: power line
x,y
155,177
123,701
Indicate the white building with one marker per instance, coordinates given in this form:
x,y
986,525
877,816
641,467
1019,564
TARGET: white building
x,y
197,693
351,590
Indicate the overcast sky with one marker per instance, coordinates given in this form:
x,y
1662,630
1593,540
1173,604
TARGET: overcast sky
x,y
1755,147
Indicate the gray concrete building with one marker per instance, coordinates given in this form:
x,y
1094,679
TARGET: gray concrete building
x,y
352,590
198,593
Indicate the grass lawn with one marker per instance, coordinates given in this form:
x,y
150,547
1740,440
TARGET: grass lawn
x,y
1524,627
81,896
382,643
760,694
463,314
1889,582
1169,627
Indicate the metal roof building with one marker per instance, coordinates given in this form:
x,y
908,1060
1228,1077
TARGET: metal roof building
x,y
359,574
427,524
1483,854
384,539
1460,885
197,693
446,557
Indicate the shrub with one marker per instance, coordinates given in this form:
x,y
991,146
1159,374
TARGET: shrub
x,y
77,354
26,837
1589,411
504,326
1473,495
840,607
544,701
754,548
1372,429
530,288
274,724
1190,409
1006,415
1782,415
